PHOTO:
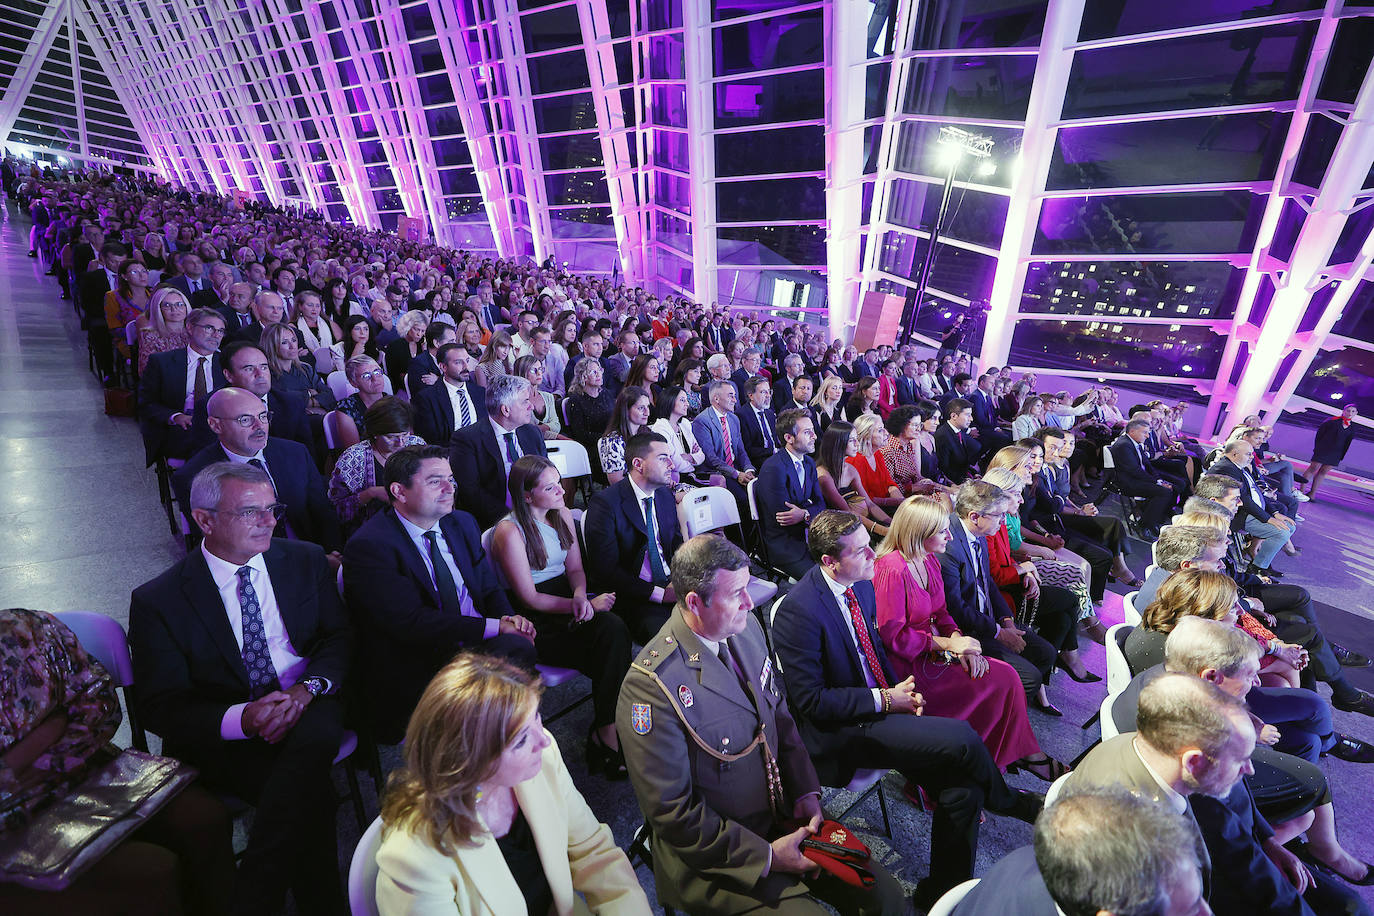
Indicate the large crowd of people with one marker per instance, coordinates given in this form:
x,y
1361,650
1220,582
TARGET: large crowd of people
x,y
363,436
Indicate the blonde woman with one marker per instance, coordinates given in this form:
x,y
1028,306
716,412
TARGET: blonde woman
x,y
872,436
289,373
825,406
163,326
484,818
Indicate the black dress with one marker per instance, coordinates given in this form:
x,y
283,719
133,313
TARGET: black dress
x,y
1332,441
522,858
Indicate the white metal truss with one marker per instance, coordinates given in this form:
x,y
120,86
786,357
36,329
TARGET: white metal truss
x,y
846,84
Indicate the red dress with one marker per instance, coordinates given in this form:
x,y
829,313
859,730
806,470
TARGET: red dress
x,y
875,478
908,615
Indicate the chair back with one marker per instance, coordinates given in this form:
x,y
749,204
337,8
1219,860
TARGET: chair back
x,y
1108,462
1055,788
104,639
338,385
569,456
1129,613
1104,717
362,872
131,333
326,360
709,509
952,898
753,503
1118,671
1149,570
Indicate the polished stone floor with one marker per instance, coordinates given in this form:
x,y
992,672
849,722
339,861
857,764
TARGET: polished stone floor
x,y
80,527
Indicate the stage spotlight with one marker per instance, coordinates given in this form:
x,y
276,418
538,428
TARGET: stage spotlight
x,y
987,168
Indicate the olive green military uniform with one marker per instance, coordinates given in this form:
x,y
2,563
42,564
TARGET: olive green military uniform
x,y
694,742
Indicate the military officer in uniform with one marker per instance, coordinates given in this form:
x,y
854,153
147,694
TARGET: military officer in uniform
x,y
715,759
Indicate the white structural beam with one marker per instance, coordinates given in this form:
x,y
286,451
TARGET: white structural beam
x,y
1055,60
701,148
846,35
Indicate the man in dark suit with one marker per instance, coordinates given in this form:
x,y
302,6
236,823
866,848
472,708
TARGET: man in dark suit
x,y
216,294
789,494
956,446
715,759
631,544
238,311
985,419
717,431
749,368
482,453
246,367
240,424
853,712
593,346
1260,516
981,610
414,612
424,370
756,422
456,402
192,278
267,308
793,368
1096,851
91,289
240,653
908,390
173,381
1137,477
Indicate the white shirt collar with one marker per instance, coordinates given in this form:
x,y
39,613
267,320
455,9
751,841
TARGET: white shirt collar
x,y
412,529
1172,798
836,588
640,495
235,458
223,572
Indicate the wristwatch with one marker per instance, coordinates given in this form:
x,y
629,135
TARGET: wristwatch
x,y
316,685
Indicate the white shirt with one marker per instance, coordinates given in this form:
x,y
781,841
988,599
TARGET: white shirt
x,y
191,365
458,395
288,665
838,591
644,571
417,537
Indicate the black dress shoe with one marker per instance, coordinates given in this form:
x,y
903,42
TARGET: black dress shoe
x,y
1087,678
1363,703
1352,749
1048,709
1347,658
1027,807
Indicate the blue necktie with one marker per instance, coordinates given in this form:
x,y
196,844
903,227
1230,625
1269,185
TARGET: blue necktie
x,y
262,677
655,551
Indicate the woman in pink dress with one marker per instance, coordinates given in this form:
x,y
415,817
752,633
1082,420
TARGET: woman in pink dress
x,y
924,642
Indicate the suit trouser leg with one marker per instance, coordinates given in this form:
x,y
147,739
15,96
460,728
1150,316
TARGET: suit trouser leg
x,y
1098,529
884,898
517,649
1159,504
1032,678
1292,604
949,760
293,842
1302,717
599,648
644,619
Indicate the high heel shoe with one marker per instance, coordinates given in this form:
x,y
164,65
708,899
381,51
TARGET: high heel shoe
x,y
1054,767
605,760
1087,678
1047,708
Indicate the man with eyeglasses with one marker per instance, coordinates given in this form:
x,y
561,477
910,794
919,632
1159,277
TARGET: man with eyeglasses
x,y
172,383
245,366
240,421
242,651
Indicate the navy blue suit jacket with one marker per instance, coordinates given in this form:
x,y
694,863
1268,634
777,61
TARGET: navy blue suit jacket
x,y
961,587
433,410
1260,509
299,485
777,486
188,668
984,411
162,393
1133,471
397,613
752,434
826,687
955,452
289,420
475,456
617,538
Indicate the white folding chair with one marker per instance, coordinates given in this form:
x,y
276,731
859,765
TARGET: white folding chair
x,y
711,509
1129,613
1118,670
570,457
952,898
1055,788
326,360
362,872
1105,717
338,385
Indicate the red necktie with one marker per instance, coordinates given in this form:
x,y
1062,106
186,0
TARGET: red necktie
x,y
725,434
865,643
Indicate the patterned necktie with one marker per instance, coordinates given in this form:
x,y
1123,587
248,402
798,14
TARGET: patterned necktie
x,y
452,598
725,436
512,453
655,550
763,425
875,667
262,677
198,388
979,562
464,416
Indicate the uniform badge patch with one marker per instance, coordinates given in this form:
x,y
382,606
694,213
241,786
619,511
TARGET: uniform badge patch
x,y
766,674
641,718
684,696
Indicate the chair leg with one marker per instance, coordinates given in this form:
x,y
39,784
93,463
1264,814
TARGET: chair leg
x,y
1079,759
882,804
355,792
1092,720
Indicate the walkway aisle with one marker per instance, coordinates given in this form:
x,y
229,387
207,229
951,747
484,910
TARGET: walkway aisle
x,y
80,522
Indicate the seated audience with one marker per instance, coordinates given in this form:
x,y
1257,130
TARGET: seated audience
x,y
1083,526
863,399
543,404
629,417
981,609
924,643
246,367
356,340
241,425
871,436
1138,478
1257,515
1100,850
420,588
481,454
789,494
826,404
839,480
369,380
757,422
163,326
726,842
903,454
424,370
496,360
852,710
241,655
631,528
411,328
172,383
535,550
290,375
60,713
484,818
356,486
674,425
717,431
956,446
589,405
454,402
315,331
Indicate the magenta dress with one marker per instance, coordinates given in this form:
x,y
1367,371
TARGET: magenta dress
x,y
908,615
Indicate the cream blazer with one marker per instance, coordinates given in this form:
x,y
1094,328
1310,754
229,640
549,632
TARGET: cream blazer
x,y
579,856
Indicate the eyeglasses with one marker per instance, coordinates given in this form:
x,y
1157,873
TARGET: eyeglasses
x,y
370,375
254,513
246,420
211,329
